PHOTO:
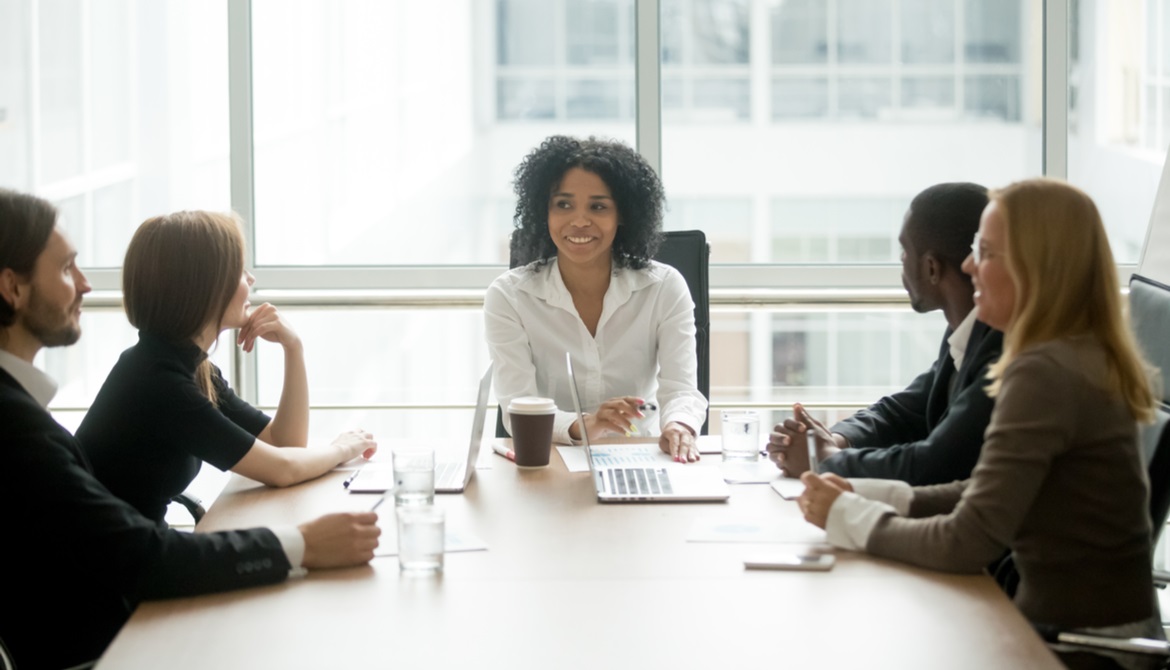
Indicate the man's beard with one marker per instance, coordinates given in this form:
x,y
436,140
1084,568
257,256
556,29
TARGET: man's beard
x,y
51,327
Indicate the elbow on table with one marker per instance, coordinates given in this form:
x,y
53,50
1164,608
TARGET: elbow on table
x,y
284,471
282,479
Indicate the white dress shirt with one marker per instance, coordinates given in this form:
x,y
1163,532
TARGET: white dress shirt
x,y
38,384
853,515
645,343
42,388
960,337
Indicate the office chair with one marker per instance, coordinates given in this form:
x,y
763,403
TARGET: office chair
x,y
6,662
193,504
688,252
1149,307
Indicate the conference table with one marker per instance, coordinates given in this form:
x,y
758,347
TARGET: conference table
x,y
567,582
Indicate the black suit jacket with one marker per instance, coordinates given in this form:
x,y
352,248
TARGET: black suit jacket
x,y
916,435
75,560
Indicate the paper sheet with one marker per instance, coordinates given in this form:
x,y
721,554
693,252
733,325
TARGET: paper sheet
x,y
789,489
613,455
454,538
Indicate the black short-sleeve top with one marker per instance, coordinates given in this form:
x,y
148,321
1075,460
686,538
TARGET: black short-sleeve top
x,y
150,427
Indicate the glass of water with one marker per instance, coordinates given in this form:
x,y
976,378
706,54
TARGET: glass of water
x,y
414,477
421,532
741,436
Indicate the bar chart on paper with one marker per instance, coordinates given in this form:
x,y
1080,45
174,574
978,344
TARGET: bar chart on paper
x,y
613,455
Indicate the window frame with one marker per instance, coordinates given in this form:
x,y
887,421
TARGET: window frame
x,y
749,286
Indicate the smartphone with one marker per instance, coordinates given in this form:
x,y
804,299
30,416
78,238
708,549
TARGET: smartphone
x,y
790,562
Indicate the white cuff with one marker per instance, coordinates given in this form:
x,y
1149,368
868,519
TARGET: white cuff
x,y
682,419
899,494
561,424
851,520
293,544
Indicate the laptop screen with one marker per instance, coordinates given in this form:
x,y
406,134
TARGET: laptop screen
x,y
580,414
485,385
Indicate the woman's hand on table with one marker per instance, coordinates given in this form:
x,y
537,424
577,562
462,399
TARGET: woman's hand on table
x,y
678,441
354,443
820,492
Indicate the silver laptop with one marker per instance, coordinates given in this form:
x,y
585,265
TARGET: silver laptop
x,y
451,474
659,482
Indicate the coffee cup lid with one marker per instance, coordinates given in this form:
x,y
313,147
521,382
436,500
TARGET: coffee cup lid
x,y
531,405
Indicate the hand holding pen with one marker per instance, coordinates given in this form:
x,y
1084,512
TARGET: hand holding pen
x,y
823,439
790,448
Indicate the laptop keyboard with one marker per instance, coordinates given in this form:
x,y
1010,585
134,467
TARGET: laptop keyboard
x,y
639,481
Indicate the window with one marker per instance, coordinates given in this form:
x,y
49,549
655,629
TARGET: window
x,y
385,134
94,121
1119,111
899,59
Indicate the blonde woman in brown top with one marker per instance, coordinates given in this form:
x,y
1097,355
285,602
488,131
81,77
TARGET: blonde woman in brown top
x,y
1060,481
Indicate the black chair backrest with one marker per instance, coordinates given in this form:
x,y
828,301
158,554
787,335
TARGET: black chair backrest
x,y
688,252
1156,445
1149,308
6,662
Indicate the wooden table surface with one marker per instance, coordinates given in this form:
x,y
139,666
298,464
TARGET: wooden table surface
x,y
568,582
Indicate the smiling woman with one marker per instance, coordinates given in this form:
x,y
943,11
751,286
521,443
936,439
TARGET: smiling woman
x,y
588,220
1069,390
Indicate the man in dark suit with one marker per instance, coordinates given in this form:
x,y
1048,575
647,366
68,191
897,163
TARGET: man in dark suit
x,y
75,560
932,431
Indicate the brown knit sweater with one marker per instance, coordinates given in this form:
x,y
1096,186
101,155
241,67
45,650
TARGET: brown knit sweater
x,y
1060,481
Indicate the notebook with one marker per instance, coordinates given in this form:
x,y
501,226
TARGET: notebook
x,y
451,474
665,482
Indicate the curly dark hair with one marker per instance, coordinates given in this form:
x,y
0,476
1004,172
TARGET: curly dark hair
x,y
636,189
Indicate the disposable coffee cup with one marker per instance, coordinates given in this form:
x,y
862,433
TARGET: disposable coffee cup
x,y
532,424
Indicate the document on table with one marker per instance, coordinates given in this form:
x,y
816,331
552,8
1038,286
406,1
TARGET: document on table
x,y
454,538
725,528
788,488
613,455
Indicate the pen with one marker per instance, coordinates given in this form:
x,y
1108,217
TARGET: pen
x,y
816,433
349,479
504,451
388,494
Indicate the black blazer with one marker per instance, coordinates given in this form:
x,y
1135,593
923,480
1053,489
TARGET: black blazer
x,y
915,435
75,560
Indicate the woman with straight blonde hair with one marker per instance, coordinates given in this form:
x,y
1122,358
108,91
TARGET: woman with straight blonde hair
x,y
165,408
1060,481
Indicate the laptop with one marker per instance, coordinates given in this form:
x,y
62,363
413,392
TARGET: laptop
x,y
658,482
451,474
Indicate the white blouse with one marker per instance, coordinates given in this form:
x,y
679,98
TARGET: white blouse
x,y
645,343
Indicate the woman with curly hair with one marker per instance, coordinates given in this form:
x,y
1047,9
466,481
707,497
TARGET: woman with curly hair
x,y
588,221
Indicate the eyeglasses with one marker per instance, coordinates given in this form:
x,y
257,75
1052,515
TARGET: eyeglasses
x,y
978,253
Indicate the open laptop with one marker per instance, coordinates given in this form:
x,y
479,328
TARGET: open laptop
x,y
656,482
451,474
